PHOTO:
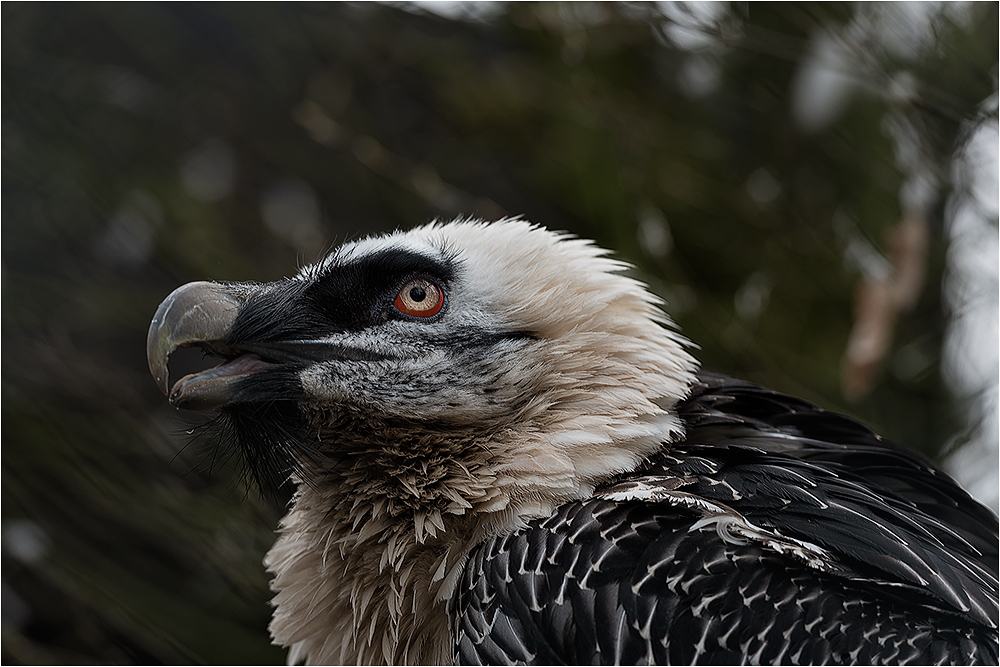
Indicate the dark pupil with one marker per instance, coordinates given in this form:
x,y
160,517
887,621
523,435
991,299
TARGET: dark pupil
x,y
418,294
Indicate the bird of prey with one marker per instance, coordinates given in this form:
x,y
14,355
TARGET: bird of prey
x,y
505,453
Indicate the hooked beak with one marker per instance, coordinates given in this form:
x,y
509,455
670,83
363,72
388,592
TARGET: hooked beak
x,y
202,314
198,314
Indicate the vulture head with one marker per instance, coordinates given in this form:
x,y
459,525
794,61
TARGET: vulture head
x,y
425,390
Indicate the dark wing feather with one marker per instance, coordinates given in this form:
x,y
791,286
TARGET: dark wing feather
x,y
884,506
776,533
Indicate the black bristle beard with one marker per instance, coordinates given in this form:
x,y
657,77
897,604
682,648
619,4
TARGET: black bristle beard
x,y
267,438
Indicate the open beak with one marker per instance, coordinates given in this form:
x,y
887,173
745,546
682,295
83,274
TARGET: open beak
x,y
202,314
198,314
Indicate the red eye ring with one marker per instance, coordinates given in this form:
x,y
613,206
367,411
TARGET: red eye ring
x,y
419,297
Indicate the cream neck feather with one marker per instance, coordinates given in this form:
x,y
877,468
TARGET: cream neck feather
x,y
371,552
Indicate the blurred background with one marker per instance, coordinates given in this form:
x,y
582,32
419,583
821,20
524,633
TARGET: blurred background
x,y
812,188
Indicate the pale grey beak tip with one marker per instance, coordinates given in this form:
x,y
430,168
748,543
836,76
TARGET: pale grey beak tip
x,y
199,312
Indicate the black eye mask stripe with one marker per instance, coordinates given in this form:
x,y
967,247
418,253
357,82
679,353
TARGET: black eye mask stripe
x,y
342,297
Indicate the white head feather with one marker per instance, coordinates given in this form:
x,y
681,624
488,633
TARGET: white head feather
x,y
362,576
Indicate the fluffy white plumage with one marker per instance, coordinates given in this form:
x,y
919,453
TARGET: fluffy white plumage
x,y
602,373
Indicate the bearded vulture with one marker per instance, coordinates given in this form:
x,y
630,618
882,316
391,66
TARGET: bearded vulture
x,y
504,453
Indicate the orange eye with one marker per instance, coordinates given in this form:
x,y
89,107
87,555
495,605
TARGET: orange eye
x,y
420,298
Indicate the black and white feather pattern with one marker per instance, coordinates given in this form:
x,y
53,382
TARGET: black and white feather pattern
x,y
445,467
774,533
